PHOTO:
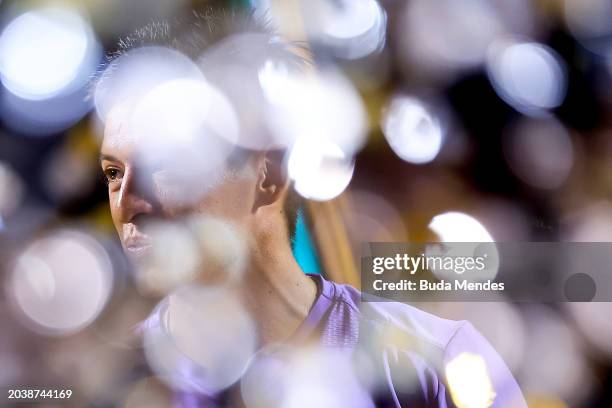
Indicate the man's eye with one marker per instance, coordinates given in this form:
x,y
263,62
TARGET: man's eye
x,y
112,175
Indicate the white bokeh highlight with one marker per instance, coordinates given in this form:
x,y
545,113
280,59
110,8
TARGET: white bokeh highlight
x,y
347,29
323,106
200,339
319,169
463,235
456,226
60,283
445,36
46,51
529,76
413,133
136,73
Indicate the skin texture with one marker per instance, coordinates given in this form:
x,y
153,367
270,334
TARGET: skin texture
x,y
273,288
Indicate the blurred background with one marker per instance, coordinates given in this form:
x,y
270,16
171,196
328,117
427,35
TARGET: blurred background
x,y
461,120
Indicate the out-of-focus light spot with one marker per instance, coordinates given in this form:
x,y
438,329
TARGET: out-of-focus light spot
x,y
520,18
459,227
189,109
500,321
185,130
324,378
553,367
273,76
11,189
61,283
222,247
136,73
348,29
47,57
445,35
238,66
45,51
319,168
540,152
263,384
412,132
469,381
324,107
593,320
530,77
590,17
464,235
202,248
303,378
592,224
200,339
169,258
589,22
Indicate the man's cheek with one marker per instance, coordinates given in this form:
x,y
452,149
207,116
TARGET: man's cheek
x,y
174,199
180,190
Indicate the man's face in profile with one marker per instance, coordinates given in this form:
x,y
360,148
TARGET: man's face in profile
x,y
164,180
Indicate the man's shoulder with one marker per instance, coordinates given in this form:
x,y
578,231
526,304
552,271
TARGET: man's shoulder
x,y
411,337
407,320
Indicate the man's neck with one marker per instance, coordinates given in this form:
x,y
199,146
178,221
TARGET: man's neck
x,y
277,294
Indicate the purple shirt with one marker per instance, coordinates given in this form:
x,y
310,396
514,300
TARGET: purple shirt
x,y
340,319
423,345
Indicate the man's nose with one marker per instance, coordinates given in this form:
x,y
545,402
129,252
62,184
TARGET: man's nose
x,y
132,200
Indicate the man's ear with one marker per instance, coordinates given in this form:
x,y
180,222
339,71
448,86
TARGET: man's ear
x,y
272,179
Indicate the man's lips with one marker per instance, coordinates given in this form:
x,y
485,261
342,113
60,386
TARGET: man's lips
x,y
135,241
137,246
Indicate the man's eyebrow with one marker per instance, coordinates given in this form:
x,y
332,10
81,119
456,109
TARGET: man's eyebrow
x,y
108,157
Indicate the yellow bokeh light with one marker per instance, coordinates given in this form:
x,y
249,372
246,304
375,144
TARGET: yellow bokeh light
x,y
469,381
